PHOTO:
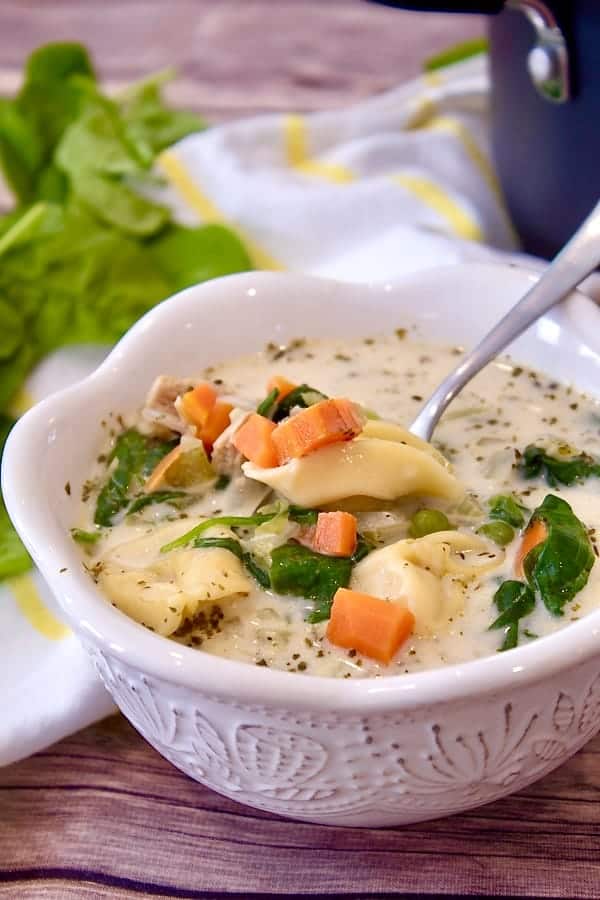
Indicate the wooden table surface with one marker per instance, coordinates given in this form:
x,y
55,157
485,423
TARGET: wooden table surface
x,y
102,814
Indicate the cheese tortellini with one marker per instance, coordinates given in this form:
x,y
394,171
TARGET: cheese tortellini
x,y
429,574
385,462
162,591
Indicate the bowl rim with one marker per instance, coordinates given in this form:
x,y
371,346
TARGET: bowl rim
x,y
99,624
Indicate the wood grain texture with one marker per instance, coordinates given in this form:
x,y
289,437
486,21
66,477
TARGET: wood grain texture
x,y
104,810
101,814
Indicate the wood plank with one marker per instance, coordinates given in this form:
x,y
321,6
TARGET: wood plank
x,y
104,807
238,57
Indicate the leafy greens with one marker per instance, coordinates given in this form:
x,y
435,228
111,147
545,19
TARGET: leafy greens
x,y
86,251
507,509
514,600
298,570
136,456
565,469
559,567
260,575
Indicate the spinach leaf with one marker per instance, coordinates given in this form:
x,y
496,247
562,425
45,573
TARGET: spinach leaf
x,y
145,500
228,521
136,455
20,151
300,571
186,256
260,575
559,567
247,559
32,124
85,254
14,558
569,469
150,124
363,547
302,396
515,600
268,406
225,543
82,268
507,509
302,516
96,159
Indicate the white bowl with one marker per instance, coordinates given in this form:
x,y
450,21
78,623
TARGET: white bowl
x,y
371,752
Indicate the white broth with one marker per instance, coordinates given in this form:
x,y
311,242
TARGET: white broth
x,y
506,408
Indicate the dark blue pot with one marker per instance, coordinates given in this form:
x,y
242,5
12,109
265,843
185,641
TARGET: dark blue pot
x,y
547,154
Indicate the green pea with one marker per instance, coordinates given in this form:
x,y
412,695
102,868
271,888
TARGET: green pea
x,y
428,521
498,532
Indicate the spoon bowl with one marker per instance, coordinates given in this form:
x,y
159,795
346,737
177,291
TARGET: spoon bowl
x,y
576,261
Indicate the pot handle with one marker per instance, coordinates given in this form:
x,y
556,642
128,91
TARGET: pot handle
x,y
548,60
482,7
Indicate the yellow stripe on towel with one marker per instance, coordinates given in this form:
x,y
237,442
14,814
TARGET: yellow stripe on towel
x,y
473,151
177,174
28,600
432,195
298,157
23,587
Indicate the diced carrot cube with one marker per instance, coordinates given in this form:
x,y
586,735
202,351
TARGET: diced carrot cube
x,y
254,440
335,534
374,627
198,403
534,534
327,422
216,423
282,384
157,476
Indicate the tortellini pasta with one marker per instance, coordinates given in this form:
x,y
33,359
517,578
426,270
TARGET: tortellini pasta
x,y
162,591
379,467
429,574
390,431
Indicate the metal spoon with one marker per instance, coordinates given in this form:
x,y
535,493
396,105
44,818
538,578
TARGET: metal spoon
x,y
576,261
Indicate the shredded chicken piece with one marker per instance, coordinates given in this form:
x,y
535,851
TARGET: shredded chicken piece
x,y
159,410
226,459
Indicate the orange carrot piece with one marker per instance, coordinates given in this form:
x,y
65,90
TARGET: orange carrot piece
x,y
157,476
335,534
327,422
216,423
368,624
282,384
198,403
534,534
254,440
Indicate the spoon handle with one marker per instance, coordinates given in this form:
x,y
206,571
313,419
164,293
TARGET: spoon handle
x,y
578,258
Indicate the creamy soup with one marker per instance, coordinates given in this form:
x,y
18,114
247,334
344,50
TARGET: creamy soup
x,y
332,503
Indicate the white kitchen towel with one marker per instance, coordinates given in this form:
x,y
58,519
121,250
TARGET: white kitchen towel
x,y
400,182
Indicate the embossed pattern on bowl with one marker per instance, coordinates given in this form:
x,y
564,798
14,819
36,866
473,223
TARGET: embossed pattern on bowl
x,y
367,752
